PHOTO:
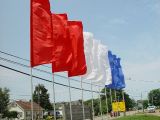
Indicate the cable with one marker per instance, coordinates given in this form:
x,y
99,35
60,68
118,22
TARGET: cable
x,y
20,58
39,69
142,80
44,79
57,74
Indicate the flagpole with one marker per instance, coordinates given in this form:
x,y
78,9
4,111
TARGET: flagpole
x,y
38,102
100,104
31,94
115,95
111,96
70,97
92,101
111,100
106,101
82,100
123,95
115,98
54,98
124,113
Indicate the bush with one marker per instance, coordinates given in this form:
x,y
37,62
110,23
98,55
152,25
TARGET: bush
x,y
12,114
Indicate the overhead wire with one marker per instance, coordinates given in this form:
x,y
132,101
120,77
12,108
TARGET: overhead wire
x,y
23,65
43,79
44,71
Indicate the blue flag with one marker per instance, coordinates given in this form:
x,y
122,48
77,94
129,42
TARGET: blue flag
x,y
121,83
117,74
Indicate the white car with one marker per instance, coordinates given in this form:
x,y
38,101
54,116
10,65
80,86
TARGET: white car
x,y
151,108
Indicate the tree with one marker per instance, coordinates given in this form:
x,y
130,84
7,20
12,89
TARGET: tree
x,y
4,101
130,103
145,104
154,97
41,97
11,114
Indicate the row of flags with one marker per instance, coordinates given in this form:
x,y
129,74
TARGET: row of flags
x,y
56,40
61,42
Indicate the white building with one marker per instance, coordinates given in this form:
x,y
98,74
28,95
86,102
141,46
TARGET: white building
x,y
23,108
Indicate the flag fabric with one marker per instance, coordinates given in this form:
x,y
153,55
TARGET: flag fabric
x,y
114,71
78,62
40,33
94,64
117,74
62,45
88,46
108,72
121,83
99,64
102,68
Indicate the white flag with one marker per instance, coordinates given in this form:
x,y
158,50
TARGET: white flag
x,y
108,71
96,54
88,46
93,63
103,74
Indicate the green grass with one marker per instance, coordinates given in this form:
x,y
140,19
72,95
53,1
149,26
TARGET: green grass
x,y
139,117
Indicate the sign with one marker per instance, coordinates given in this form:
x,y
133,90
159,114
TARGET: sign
x,y
118,106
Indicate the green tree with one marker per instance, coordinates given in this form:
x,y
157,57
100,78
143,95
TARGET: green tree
x,y
11,114
41,97
145,104
154,97
4,101
130,103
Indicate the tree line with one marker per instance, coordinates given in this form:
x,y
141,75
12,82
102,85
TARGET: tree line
x,y
41,97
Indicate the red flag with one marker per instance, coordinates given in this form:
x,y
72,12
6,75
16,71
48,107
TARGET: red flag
x,y
62,46
78,58
40,32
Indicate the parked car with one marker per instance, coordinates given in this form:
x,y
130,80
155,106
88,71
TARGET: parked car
x,y
151,108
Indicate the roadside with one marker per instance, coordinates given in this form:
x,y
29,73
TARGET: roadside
x,y
128,113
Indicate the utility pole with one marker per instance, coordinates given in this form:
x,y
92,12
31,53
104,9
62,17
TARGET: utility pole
x,y
142,102
152,99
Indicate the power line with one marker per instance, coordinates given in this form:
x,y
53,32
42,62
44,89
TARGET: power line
x,y
23,65
142,80
43,79
54,73
20,58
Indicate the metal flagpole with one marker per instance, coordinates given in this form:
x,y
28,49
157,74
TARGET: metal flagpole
x,y
123,95
100,102
115,95
70,97
123,101
54,98
92,101
31,94
106,100
111,96
115,99
38,102
82,100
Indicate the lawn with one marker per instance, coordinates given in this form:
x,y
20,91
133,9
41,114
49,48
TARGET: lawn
x,y
139,117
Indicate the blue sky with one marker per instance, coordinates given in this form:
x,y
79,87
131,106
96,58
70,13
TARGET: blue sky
x,y
130,28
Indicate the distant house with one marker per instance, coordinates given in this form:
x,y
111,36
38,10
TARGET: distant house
x,y
23,108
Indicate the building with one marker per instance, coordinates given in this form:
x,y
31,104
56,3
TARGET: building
x,y
23,108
